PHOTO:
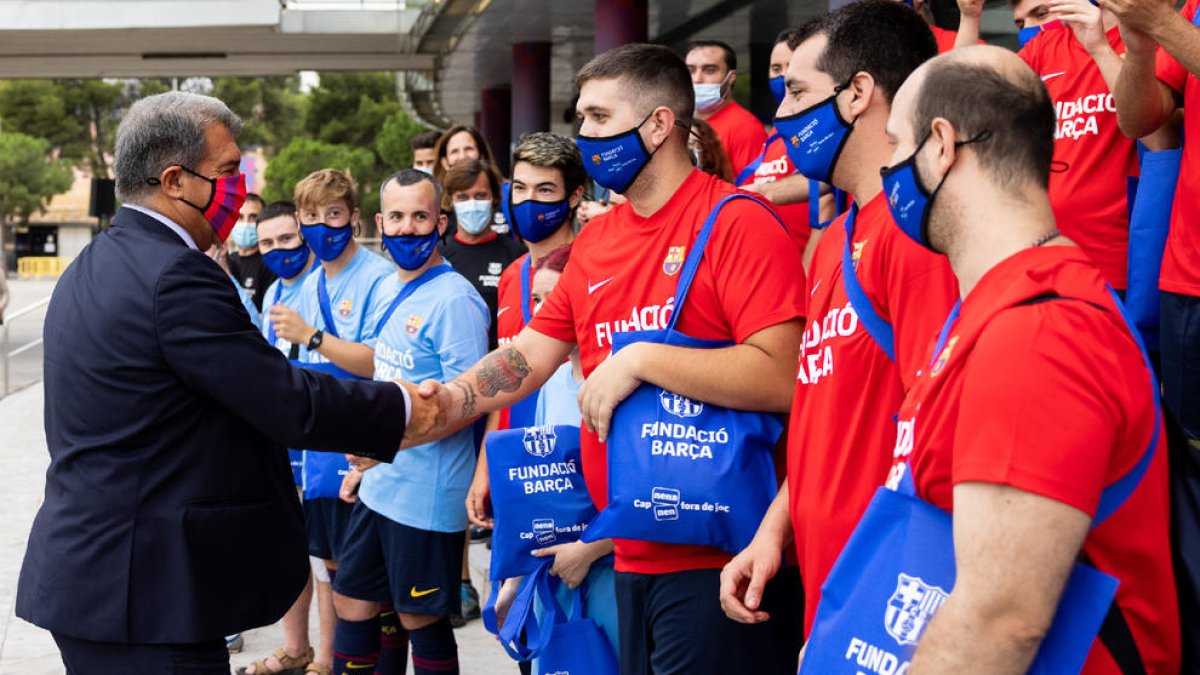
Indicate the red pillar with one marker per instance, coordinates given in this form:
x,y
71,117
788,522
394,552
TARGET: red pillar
x,y
619,22
530,88
495,122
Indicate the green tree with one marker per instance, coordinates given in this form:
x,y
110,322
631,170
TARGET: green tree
x,y
271,108
304,155
38,108
393,145
28,179
96,105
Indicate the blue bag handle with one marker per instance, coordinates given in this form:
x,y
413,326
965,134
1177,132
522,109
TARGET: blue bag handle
x,y
814,205
879,330
410,288
525,268
323,301
521,616
748,172
692,264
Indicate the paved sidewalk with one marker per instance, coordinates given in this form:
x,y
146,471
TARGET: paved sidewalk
x,y
28,650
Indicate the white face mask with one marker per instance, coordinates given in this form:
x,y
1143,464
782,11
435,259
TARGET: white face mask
x,y
474,215
425,169
708,95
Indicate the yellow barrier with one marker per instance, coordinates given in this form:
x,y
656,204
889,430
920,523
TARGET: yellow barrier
x,y
38,266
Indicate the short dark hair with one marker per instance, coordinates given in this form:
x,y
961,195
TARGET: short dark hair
x,y
883,38
549,150
275,210
426,140
1016,113
785,35
655,76
254,197
730,54
405,177
485,150
463,175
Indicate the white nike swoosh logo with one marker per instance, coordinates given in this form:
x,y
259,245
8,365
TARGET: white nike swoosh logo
x,y
592,288
815,287
1053,75
501,311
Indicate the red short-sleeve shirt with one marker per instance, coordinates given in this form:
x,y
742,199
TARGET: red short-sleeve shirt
x,y
1052,398
775,165
741,134
1089,191
510,317
1181,259
622,277
847,389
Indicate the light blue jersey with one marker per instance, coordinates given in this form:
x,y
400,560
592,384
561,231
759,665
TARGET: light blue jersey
x,y
357,300
247,303
438,333
288,295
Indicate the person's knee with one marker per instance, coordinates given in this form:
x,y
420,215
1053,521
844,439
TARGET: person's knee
x,y
417,621
353,609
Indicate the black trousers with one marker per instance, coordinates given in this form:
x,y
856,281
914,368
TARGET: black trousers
x,y
84,657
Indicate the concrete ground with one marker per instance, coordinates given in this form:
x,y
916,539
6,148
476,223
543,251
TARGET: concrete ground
x,y
29,650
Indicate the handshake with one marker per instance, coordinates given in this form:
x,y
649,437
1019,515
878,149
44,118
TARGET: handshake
x,y
435,414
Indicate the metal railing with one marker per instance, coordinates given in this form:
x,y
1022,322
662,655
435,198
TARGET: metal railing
x,y
6,355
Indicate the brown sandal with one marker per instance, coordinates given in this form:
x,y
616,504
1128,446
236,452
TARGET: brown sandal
x,y
317,669
292,665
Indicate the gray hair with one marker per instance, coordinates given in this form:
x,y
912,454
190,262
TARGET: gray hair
x,y
162,131
405,177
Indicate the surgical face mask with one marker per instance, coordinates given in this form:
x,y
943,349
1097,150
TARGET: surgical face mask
x,y
245,235
224,202
614,162
474,215
535,221
708,96
815,136
286,263
778,88
327,242
425,169
909,201
411,251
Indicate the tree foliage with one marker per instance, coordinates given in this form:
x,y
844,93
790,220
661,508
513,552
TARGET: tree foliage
x,y
29,177
271,108
303,156
393,145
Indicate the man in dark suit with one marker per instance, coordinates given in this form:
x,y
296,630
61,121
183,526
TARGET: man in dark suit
x,y
170,517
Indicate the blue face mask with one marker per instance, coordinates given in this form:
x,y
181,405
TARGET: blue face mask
x,y
1024,35
474,215
327,242
286,263
908,199
778,88
815,136
245,235
411,251
534,221
614,162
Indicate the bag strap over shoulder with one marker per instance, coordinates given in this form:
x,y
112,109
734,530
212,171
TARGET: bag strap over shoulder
x,y
880,330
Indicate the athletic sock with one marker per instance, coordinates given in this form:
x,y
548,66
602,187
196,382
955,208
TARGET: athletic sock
x,y
393,657
355,646
434,650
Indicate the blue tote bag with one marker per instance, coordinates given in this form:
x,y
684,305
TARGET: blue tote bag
x,y
898,568
1149,222
322,472
684,471
576,645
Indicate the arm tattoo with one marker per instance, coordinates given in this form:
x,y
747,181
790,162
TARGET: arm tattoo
x,y
503,370
468,404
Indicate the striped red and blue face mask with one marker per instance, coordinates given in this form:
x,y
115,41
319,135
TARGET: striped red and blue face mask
x,y
224,203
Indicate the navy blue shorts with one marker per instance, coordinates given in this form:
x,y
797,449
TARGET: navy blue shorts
x,y
672,624
326,521
418,570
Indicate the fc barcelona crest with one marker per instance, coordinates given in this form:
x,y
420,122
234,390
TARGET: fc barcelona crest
x,y
674,260
344,308
540,441
910,608
414,324
943,357
596,160
857,252
679,406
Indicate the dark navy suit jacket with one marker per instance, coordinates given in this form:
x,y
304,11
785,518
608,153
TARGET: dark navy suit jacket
x,y
170,515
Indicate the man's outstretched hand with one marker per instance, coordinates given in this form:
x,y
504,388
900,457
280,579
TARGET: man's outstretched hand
x,y
427,421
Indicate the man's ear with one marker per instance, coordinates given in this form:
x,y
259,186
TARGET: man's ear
x,y
575,197
943,137
443,223
379,223
663,122
171,180
862,88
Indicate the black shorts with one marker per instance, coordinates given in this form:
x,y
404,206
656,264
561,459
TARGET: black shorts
x,y
418,570
326,521
672,624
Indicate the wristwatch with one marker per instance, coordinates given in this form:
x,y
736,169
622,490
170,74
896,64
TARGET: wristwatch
x,y
314,342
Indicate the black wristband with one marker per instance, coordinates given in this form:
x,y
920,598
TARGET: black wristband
x,y
315,341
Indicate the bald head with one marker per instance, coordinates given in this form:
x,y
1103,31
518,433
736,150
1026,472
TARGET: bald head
x,y
984,90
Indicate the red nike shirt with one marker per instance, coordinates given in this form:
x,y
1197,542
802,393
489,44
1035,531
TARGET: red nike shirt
x,y
991,408
622,277
1181,259
741,134
776,165
1089,190
510,318
847,390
